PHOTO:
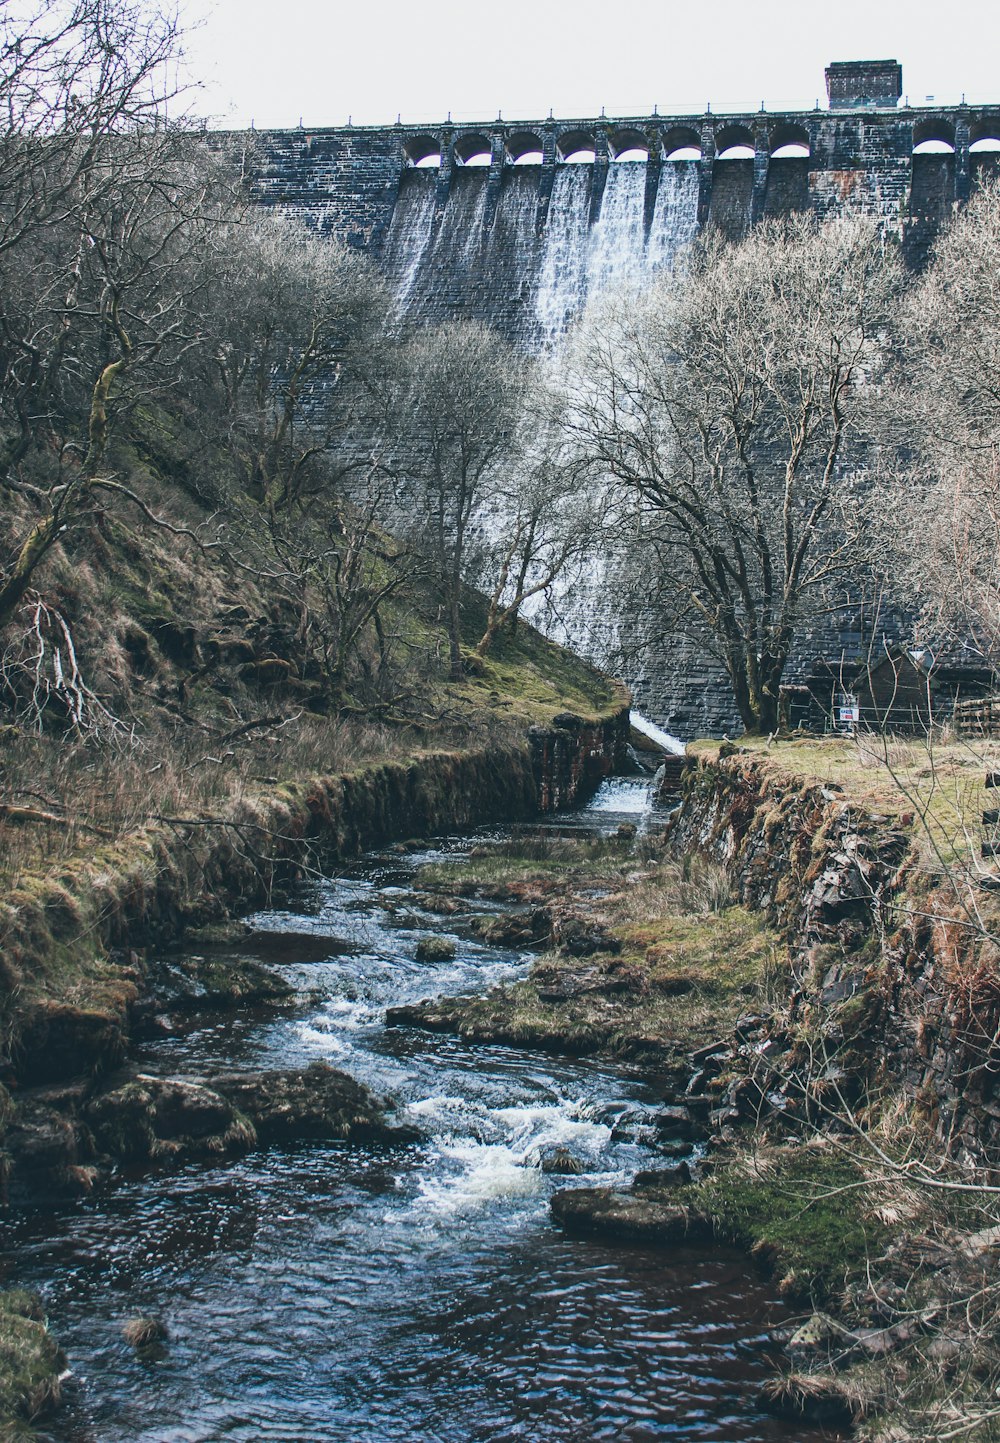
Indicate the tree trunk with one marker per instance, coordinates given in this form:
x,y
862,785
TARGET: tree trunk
x,y
455,636
18,579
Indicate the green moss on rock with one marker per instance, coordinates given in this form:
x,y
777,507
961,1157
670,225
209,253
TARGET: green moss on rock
x,y
31,1364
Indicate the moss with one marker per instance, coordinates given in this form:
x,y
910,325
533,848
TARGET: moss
x,y
799,1210
435,949
675,981
31,1363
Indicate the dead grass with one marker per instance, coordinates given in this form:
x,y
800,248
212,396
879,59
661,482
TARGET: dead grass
x,y
30,1363
933,786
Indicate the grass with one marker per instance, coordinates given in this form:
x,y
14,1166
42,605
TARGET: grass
x,y
804,1210
935,786
680,962
30,1364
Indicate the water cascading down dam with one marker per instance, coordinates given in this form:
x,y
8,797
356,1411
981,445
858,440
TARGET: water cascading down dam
x,y
521,225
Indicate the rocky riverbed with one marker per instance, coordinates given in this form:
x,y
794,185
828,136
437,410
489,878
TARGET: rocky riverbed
x,y
251,1201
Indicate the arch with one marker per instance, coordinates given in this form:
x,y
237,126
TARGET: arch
x,y
525,148
788,142
985,134
422,150
734,142
473,150
628,145
933,136
576,147
682,143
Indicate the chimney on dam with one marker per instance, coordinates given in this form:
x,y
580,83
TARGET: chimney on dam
x,y
850,83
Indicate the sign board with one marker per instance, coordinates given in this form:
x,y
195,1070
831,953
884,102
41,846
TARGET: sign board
x,y
847,711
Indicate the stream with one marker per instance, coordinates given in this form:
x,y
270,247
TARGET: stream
x,y
344,1294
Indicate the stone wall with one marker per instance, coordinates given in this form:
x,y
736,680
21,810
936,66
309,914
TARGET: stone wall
x,y
347,180
894,981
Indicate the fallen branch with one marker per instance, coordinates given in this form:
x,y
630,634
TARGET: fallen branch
x,y
19,815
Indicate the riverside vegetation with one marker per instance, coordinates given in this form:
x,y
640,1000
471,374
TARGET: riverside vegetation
x,y
243,525
798,968
220,663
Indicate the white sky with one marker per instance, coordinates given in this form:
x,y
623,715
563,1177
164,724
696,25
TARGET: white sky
x,y
325,60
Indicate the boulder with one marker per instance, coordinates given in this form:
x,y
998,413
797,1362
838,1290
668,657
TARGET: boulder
x,y
561,1162
317,1102
167,1120
435,949
646,1217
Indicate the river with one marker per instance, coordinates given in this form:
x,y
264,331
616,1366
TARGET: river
x,y
350,1295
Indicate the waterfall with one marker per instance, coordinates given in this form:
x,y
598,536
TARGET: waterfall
x,y
562,280
580,262
410,233
617,248
675,217
529,286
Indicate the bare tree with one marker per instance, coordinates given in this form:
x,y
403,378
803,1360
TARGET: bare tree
x,y
103,207
546,517
459,413
297,325
942,528
723,404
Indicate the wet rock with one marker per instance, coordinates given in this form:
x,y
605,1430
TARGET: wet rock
x,y
165,1120
675,1123
700,1105
662,1177
580,936
440,906
647,1217
48,1154
561,1162
143,1333
716,1052
196,982
315,1102
635,1129
516,929
421,1014
678,1148
435,949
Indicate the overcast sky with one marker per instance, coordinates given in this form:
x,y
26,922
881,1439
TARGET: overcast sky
x,y
325,60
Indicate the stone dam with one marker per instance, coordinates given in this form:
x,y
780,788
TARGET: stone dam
x,y
521,224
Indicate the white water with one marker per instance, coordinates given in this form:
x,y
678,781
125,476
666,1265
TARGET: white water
x,y
675,216
409,237
656,734
571,264
562,272
617,243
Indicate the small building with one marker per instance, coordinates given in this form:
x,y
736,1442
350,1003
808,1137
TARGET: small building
x,y
904,690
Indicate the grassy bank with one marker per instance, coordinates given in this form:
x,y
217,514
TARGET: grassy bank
x,y
641,957
31,1366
